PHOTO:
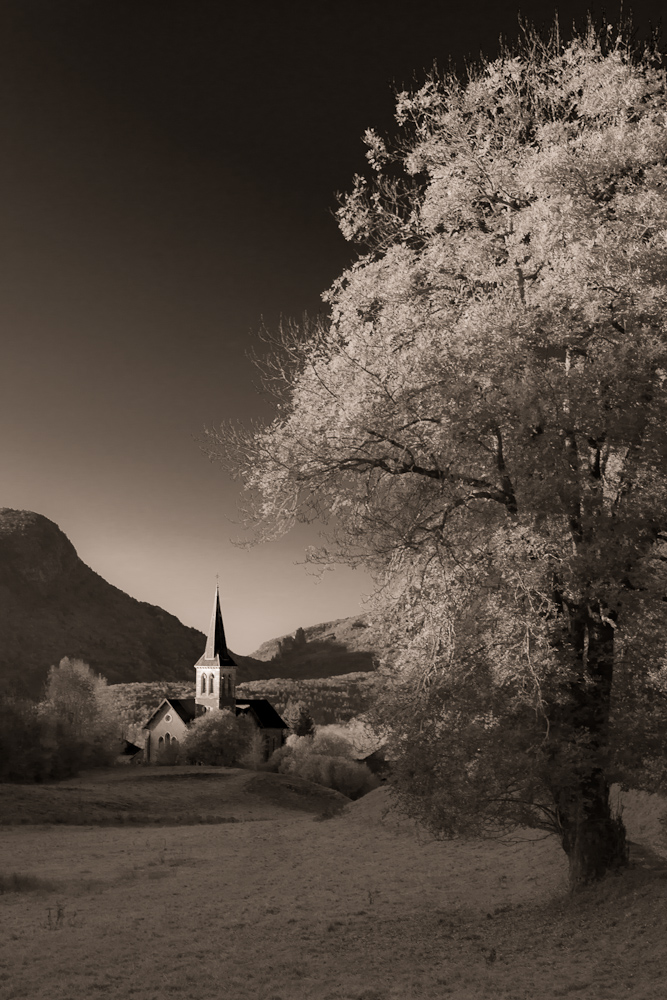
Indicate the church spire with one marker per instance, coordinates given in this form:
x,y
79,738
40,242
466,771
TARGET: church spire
x,y
216,644
215,671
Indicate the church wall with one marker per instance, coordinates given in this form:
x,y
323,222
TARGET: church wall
x,y
174,727
273,738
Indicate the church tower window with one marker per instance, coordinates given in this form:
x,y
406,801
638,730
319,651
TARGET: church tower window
x,y
210,684
203,683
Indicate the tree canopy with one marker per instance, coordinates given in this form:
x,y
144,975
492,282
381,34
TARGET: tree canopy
x,y
481,419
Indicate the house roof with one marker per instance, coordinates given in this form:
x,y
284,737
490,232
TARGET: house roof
x,y
216,653
263,711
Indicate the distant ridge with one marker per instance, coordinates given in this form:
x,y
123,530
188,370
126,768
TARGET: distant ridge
x,y
342,646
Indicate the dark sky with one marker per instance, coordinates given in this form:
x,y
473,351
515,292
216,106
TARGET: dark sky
x,y
167,181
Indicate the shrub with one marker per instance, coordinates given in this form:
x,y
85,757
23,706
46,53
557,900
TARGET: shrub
x,y
170,755
218,738
253,755
35,746
315,759
332,745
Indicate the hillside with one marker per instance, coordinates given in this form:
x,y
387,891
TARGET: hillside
x,y
53,605
343,646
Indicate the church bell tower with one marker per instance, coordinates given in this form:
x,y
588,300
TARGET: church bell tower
x,y
215,670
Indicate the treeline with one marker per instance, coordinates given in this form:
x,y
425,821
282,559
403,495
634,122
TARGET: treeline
x,y
327,699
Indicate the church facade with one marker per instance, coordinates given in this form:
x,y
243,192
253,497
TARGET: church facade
x,y
215,690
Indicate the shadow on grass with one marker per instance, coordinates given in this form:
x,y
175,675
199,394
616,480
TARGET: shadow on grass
x,y
16,882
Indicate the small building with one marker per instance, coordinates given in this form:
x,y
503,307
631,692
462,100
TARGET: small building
x,y
129,754
215,690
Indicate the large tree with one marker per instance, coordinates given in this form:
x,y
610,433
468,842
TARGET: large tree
x,y
481,417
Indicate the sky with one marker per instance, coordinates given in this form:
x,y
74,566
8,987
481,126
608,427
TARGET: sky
x,y
168,178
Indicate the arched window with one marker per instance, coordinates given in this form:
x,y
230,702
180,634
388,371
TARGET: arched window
x,y
210,684
160,742
203,683
173,740
167,739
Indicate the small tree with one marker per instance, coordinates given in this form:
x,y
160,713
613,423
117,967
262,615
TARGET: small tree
x,y
82,704
298,719
219,739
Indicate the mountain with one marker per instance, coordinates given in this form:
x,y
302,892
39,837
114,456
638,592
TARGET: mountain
x,y
53,605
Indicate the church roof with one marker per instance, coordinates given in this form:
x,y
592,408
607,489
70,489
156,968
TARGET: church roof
x,y
216,653
263,711
185,708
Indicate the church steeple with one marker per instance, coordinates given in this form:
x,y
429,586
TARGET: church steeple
x,y
216,644
216,670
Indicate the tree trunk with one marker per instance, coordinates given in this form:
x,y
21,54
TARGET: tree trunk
x,y
592,838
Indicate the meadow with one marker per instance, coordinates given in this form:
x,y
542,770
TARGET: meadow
x,y
276,893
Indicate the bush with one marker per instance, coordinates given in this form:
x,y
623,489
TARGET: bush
x,y
218,738
298,718
253,756
332,745
35,746
315,759
170,755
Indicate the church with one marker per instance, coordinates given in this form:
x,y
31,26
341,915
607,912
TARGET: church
x,y
215,679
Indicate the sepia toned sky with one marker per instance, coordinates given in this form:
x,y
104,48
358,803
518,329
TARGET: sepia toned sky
x,y
168,173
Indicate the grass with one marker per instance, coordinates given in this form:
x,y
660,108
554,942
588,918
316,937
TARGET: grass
x,y
286,908
15,882
161,796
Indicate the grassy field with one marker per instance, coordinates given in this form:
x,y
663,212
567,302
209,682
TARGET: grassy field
x,y
281,905
163,796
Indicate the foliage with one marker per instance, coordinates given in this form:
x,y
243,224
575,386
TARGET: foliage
x,y
76,726
34,746
81,702
298,719
254,755
327,759
218,738
481,420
